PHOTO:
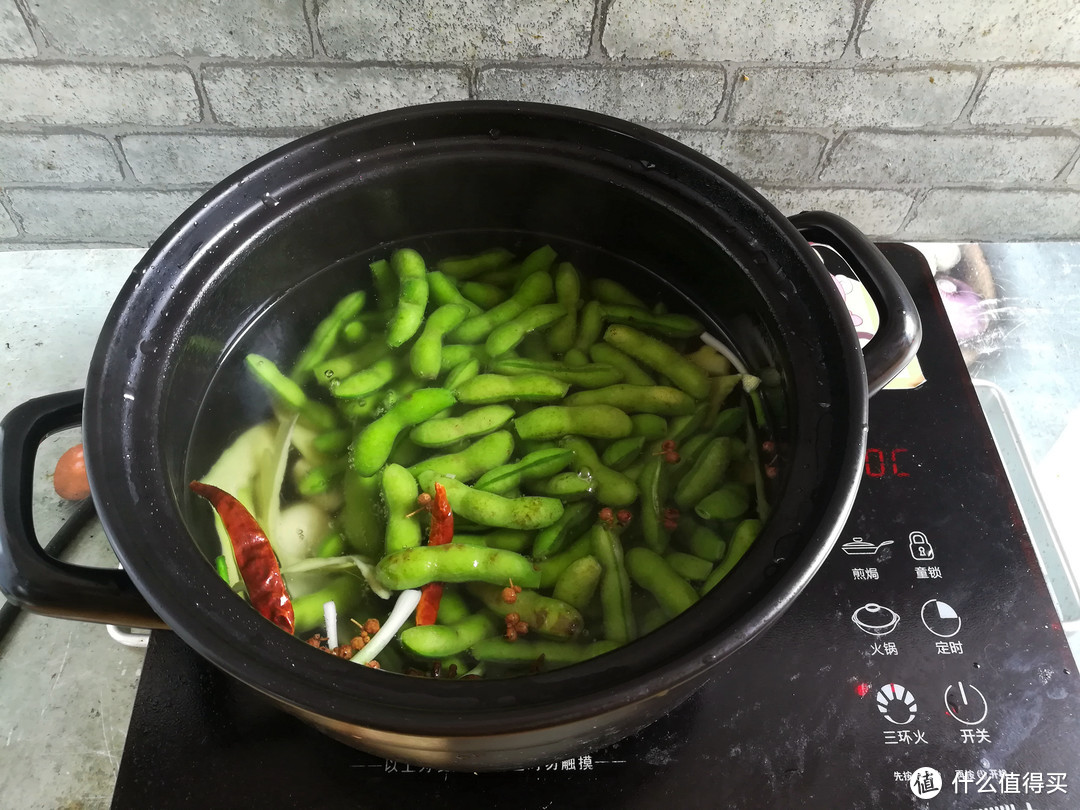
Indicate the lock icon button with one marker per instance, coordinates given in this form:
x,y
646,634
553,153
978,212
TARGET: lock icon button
x,y
920,547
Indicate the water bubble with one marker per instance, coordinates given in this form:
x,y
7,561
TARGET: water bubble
x,y
495,133
269,200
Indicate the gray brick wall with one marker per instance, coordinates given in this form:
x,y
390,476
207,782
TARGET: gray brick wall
x,y
916,119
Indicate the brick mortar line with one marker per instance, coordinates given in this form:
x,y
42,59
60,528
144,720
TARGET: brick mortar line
x,y
213,128
95,186
1063,175
37,34
963,118
850,53
597,51
311,20
1051,186
13,215
176,60
826,154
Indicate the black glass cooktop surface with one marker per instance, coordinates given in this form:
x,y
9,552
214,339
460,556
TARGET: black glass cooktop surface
x,y
923,667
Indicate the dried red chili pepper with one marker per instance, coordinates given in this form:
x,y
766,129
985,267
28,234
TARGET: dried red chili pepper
x,y
442,531
254,556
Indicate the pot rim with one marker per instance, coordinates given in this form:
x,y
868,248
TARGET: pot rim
x,y
316,682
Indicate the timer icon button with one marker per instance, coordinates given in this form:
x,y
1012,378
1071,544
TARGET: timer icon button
x,y
965,704
940,618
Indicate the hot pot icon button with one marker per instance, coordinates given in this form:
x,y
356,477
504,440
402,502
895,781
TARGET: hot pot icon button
x,y
875,619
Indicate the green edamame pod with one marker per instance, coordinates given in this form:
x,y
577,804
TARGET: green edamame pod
x,y
726,503
532,347
575,358
729,422
536,289
590,326
454,562
385,282
575,518
425,356
359,516
612,487
689,567
461,374
538,464
660,357
346,591
321,478
354,332
469,464
618,614
411,272
546,616
702,541
552,568
568,293
448,430
345,365
399,490
454,354
678,326
290,394
441,640
745,535
710,361
590,375
690,424
720,389
649,425
509,539
483,295
445,292
488,388
609,291
705,475
553,421
654,484
469,266
364,383
539,260
553,654
659,399
332,442
567,486
489,509
333,545
621,453
631,372
649,570
325,335
507,336
577,584
373,446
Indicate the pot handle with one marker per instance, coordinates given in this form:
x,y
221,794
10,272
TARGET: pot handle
x,y
29,577
900,331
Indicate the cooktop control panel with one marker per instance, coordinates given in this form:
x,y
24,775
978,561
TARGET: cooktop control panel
x,y
924,667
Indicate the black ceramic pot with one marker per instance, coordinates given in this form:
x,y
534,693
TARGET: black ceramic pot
x,y
615,198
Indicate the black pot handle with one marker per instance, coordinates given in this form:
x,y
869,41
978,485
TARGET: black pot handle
x,y
900,331
29,577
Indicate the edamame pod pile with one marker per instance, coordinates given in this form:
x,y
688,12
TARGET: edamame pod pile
x,y
604,467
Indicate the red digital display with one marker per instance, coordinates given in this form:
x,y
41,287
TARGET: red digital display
x,y
884,462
